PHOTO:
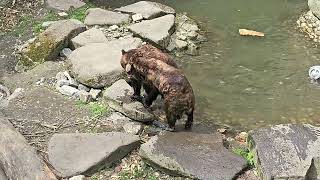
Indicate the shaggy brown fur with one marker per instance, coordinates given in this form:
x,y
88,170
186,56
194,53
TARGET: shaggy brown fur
x,y
168,81
134,80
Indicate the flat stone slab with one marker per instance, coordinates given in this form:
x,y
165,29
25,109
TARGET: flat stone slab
x,y
64,5
314,6
118,97
98,64
98,16
157,30
147,9
189,154
92,35
285,151
49,43
74,154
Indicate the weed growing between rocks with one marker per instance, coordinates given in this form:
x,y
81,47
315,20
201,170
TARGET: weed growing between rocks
x,y
246,154
79,13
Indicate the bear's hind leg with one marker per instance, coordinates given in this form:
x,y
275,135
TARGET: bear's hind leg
x,y
189,122
153,94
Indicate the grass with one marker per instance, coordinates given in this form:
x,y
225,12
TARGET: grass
x,y
97,109
144,172
79,13
246,154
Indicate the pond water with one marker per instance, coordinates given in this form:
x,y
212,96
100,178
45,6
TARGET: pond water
x,y
247,82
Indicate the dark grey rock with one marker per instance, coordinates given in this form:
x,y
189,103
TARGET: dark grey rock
x,y
314,170
147,9
285,151
98,16
157,30
200,156
74,154
64,5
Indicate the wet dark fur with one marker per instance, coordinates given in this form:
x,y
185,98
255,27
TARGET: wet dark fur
x,y
167,80
134,80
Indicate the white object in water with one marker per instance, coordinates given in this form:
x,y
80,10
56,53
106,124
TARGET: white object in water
x,y
314,72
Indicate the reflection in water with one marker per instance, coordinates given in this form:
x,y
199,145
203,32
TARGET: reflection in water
x,y
249,82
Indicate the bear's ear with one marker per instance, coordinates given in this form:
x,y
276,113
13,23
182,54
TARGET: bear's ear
x,y
123,51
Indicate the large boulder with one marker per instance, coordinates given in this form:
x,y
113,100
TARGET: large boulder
x,y
74,154
195,155
285,151
98,64
48,44
156,31
64,5
92,35
147,9
314,6
118,97
98,16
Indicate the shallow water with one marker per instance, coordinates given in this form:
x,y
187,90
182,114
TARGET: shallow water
x,y
247,82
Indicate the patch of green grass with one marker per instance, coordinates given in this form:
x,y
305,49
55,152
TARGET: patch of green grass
x,y
23,25
50,16
97,109
144,172
246,154
79,13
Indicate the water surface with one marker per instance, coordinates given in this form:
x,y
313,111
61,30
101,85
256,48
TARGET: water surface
x,y
248,82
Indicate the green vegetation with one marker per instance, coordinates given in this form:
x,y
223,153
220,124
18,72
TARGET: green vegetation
x,y
79,13
23,25
144,172
50,16
246,154
97,109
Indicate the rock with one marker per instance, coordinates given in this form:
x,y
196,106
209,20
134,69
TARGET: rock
x,y
3,175
65,52
74,154
137,17
132,128
113,28
49,43
80,177
193,49
314,6
84,96
63,14
95,93
157,31
92,35
118,119
285,151
64,5
147,9
41,81
97,16
82,87
246,32
16,93
98,65
314,170
61,76
194,155
47,23
119,98
68,90
176,44
62,82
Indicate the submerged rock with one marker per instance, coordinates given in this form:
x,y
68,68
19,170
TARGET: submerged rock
x,y
157,31
285,151
188,154
74,154
92,35
119,98
97,16
64,5
98,65
48,44
147,9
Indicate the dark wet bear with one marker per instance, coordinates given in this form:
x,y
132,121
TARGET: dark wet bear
x,y
168,81
135,80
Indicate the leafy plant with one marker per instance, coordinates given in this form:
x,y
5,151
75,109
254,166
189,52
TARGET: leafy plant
x,y
79,13
97,109
246,154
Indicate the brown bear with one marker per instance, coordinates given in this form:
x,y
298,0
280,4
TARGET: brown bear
x,y
168,81
135,81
